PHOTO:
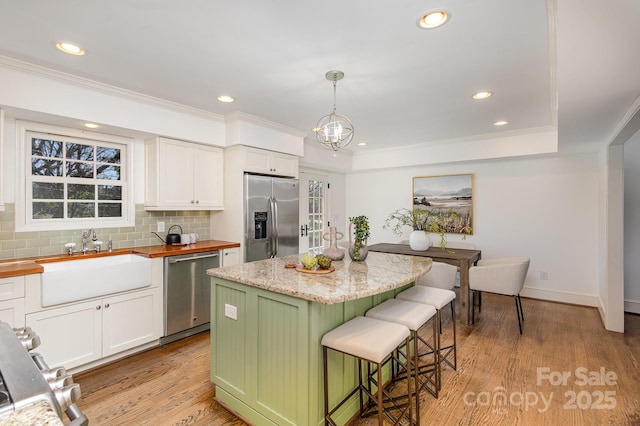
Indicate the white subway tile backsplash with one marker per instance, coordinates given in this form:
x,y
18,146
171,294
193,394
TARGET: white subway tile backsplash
x,y
29,244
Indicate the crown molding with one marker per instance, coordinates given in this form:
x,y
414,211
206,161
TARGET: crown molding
x,y
86,83
243,116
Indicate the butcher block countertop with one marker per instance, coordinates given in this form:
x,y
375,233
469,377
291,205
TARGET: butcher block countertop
x,y
16,267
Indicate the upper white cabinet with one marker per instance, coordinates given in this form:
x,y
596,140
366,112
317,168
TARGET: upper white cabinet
x,y
270,162
183,175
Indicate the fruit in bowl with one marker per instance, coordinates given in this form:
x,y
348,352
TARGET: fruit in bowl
x,y
324,262
308,261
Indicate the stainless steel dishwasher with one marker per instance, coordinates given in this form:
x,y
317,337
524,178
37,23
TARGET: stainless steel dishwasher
x,y
187,294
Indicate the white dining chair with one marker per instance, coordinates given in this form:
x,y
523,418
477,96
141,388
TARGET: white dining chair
x,y
500,276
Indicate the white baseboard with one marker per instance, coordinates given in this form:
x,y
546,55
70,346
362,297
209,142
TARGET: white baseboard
x,y
560,296
632,306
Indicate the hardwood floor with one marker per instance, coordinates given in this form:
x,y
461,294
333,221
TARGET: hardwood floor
x,y
502,377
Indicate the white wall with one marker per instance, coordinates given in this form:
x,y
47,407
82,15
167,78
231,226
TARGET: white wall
x,y
545,208
632,224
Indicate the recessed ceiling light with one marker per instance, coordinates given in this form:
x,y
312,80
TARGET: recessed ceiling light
x,y
226,98
362,143
71,49
91,125
501,123
433,19
482,95
315,129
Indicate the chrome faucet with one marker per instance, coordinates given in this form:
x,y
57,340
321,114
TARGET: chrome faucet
x,y
85,239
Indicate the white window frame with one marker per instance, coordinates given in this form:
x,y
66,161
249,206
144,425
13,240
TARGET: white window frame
x,y
23,175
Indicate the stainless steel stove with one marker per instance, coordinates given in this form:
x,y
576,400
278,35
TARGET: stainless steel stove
x,y
30,391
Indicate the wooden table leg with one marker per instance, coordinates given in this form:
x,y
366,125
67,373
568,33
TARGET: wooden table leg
x,y
466,302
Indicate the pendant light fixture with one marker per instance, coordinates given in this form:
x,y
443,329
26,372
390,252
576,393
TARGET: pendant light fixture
x,y
334,130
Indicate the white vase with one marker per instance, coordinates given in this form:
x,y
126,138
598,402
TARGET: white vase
x,y
419,241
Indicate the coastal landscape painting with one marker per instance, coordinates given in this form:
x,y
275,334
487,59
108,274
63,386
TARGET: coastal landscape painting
x,y
448,196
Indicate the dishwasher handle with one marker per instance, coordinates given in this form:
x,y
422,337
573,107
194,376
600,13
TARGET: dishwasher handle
x,y
190,259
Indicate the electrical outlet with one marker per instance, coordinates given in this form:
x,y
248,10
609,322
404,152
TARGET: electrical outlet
x,y
160,226
544,275
231,311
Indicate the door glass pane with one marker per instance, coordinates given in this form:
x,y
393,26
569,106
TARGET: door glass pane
x,y
316,215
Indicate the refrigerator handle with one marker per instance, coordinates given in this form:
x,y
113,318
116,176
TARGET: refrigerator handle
x,y
273,207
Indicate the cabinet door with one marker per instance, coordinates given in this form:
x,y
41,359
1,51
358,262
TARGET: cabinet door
x,y
257,161
70,336
11,287
207,177
230,256
175,174
130,320
12,312
284,165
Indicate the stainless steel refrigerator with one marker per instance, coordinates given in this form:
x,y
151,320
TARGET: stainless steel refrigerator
x,y
272,215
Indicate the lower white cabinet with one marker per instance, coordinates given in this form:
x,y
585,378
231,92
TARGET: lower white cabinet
x,y
230,256
12,312
83,332
12,304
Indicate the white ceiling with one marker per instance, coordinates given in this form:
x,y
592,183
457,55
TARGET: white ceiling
x,y
403,86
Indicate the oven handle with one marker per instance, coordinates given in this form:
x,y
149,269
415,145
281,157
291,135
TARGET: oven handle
x,y
76,416
190,259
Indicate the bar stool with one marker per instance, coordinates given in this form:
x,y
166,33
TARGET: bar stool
x,y
373,341
413,316
437,298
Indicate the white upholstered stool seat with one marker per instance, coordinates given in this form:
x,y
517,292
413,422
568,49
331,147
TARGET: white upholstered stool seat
x,y
371,340
413,316
438,298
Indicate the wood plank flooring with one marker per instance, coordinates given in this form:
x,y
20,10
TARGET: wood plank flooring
x,y
502,378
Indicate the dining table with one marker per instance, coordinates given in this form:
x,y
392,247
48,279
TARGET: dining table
x,y
462,258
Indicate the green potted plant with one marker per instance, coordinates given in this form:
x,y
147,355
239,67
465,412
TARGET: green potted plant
x,y
359,230
422,222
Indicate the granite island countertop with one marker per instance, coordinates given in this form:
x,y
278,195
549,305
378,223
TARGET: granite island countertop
x,y
380,272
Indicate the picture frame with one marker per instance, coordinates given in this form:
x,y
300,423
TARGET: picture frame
x,y
449,198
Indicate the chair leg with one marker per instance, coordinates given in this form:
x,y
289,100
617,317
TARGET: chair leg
x,y
455,345
521,311
473,308
518,313
479,301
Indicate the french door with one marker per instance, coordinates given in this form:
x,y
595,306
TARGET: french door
x,y
313,212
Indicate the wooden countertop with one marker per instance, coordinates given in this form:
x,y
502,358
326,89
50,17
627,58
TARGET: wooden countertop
x,y
380,272
16,267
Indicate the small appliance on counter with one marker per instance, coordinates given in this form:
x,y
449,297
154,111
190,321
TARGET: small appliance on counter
x,y
30,391
171,239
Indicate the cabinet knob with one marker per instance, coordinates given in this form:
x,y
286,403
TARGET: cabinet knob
x,y
98,307
192,201
106,305
197,201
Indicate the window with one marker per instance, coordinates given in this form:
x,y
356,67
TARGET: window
x,y
73,181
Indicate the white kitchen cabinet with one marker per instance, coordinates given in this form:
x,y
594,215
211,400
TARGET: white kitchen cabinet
x,y
270,162
183,175
12,303
80,333
12,312
230,256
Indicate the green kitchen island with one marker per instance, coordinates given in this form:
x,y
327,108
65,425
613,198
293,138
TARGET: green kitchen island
x,y
267,322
